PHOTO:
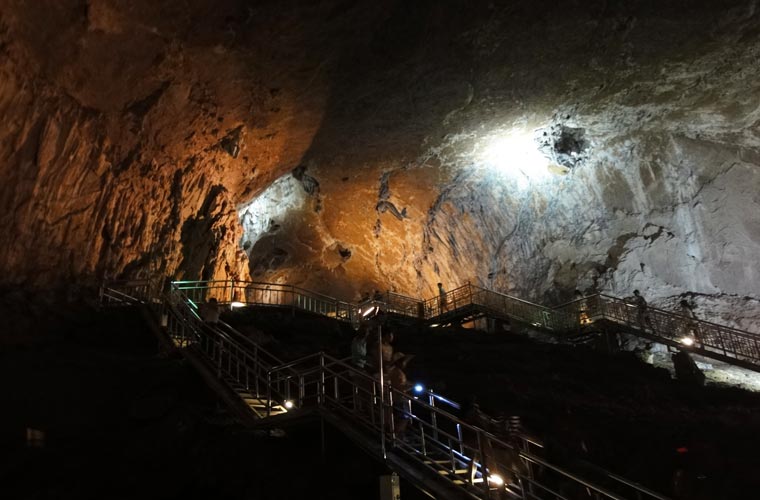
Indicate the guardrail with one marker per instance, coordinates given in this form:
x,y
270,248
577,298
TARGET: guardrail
x,y
704,337
496,303
467,457
240,293
127,292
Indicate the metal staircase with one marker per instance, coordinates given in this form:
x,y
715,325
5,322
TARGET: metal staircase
x,y
416,436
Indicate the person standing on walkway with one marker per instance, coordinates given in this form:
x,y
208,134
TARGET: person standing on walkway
x,y
441,298
690,325
642,311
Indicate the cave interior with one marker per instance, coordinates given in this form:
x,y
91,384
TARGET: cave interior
x,y
540,150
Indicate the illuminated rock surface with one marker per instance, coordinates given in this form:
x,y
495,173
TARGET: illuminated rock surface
x,y
531,148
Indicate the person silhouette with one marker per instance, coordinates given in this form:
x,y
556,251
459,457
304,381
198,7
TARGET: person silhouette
x,y
442,299
642,311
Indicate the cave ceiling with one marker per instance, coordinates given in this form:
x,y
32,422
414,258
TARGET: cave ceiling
x,y
533,147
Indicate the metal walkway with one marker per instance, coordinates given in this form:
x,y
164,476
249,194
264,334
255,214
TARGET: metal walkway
x,y
417,437
600,312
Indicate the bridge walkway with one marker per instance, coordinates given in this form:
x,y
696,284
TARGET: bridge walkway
x,y
597,312
416,436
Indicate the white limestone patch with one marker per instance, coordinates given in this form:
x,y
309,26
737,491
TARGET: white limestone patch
x,y
266,212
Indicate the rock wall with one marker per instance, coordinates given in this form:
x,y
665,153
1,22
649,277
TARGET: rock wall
x,y
645,118
531,147
132,130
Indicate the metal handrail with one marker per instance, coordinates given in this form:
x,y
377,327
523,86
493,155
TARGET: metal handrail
x,y
205,284
703,337
495,440
242,359
709,339
497,303
129,291
632,304
436,440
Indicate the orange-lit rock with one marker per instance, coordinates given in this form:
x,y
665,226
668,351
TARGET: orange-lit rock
x,y
136,134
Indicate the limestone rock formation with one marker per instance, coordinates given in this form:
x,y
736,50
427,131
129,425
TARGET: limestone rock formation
x,y
531,147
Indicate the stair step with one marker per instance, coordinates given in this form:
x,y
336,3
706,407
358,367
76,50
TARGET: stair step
x,y
448,472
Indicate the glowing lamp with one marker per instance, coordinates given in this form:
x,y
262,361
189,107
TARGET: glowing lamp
x,y
516,154
418,388
495,480
289,405
236,304
687,341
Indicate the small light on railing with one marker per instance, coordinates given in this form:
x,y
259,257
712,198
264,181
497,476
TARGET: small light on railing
x,y
289,405
495,480
688,341
434,325
236,304
418,388
369,311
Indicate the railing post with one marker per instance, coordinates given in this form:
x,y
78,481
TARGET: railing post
x,y
321,389
391,416
269,393
459,437
433,416
452,459
257,369
722,342
382,421
483,471
219,361
373,403
422,436
301,390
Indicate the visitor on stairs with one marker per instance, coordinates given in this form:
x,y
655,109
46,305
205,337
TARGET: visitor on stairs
x,y
210,312
359,349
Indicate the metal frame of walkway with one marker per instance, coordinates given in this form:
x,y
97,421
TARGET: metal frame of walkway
x,y
437,452
596,312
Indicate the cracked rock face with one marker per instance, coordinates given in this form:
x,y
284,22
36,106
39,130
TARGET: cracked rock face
x,y
529,147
